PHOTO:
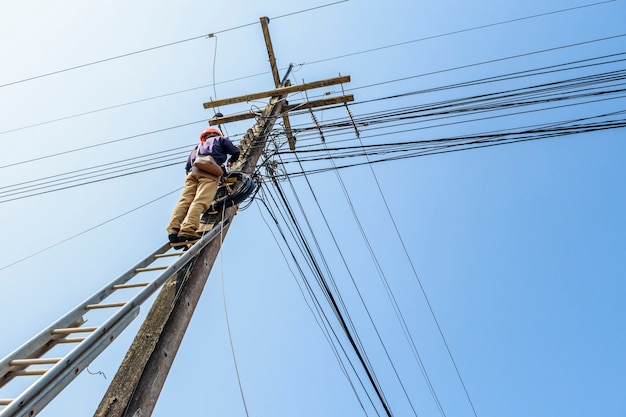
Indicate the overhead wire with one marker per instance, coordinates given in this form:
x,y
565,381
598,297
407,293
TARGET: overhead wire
x,y
371,320
12,197
230,336
87,230
125,55
315,62
427,148
394,302
380,273
314,306
340,252
606,79
305,172
486,80
498,105
457,32
344,318
176,152
432,112
328,328
468,83
375,384
463,384
582,90
456,367
334,300
89,175
96,145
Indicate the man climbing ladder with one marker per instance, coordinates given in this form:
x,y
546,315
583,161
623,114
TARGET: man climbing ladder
x,y
201,184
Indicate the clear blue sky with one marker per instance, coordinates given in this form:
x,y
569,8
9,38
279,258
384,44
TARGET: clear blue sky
x,y
519,248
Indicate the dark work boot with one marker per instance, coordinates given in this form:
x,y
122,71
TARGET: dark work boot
x,y
173,237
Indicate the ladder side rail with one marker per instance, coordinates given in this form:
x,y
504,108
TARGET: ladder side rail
x,y
28,399
37,343
38,395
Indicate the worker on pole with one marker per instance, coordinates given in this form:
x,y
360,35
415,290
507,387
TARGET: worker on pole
x,y
201,184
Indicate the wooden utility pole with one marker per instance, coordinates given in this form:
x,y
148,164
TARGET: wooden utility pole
x,y
141,376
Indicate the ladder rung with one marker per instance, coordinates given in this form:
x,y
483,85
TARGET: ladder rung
x,y
152,268
167,255
34,361
5,401
71,330
109,305
70,340
138,284
29,372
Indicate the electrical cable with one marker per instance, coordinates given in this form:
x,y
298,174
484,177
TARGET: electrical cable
x,y
327,324
343,318
106,167
383,279
480,142
505,77
371,320
92,181
87,230
313,8
213,75
131,137
82,148
230,336
461,31
90,177
464,387
539,132
327,327
153,48
317,317
111,171
397,309
471,106
315,62
351,276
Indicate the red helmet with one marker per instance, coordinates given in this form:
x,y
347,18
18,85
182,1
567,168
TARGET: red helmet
x,y
209,132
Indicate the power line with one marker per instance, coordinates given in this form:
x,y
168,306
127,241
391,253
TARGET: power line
x,y
334,301
393,150
316,308
125,138
315,62
78,173
100,61
326,325
48,190
456,32
567,66
87,230
579,91
403,322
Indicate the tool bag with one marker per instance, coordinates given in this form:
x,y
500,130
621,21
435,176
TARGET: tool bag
x,y
206,163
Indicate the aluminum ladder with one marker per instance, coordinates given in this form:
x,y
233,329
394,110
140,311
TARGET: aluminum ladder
x,y
60,352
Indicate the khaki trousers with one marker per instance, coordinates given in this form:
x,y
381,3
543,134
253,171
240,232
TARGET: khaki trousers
x,y
196,197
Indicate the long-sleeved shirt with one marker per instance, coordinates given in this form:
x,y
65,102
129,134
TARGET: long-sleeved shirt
x,y
219,147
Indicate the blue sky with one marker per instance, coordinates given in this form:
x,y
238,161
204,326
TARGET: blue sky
x,y
518,248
